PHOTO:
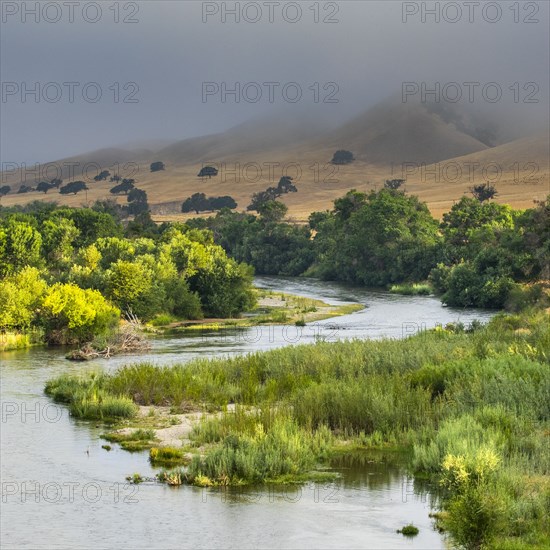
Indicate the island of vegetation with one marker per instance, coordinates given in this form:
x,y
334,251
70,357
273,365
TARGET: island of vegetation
x,y
469,406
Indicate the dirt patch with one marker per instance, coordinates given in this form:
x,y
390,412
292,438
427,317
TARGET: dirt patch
x,y
176,428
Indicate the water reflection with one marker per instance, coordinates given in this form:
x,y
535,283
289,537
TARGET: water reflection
x,y
41,445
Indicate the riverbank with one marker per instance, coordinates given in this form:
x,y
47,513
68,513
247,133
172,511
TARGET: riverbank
x,y
10,341
271,308
470,405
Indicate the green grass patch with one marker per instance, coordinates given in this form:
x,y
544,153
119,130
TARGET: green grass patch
x,y
167,456
412,289
137,440
20,340
409,530
470,407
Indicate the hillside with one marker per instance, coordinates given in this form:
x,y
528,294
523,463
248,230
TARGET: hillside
x,y
393,133
391,140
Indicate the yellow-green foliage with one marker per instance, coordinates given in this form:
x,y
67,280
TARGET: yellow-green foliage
x,y
80,314
17,340
473,408
476,467
166,456
21,296
99,405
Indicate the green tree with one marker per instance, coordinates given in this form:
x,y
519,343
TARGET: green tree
x,y
394,184
102,176
44,186
59,236
21,297
208,172
181,301
132,287
285,185
93,224
277,248
382,238
195,203
122,188
483,192
218,203
113,249
342,157
20,245
351,202
73,188
137,202
272,211
224,286
72,315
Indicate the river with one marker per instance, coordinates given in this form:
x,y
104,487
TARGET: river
x,y
60,489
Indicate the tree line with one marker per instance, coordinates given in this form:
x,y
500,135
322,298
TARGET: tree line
x,y
482,254
73,271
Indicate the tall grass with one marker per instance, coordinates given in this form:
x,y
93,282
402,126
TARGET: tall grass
x,y
20,340
412,289
457,398
267,454
88,399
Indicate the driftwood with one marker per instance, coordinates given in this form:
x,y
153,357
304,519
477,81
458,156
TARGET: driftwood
x,y
128,339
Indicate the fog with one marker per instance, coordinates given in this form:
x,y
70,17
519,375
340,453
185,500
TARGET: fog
x,y
151,67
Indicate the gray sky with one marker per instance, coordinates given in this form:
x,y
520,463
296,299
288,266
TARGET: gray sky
x,y
169,52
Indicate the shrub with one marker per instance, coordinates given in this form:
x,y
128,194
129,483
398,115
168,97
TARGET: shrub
x,y
73,315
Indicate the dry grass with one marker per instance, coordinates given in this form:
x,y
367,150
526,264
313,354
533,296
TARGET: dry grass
x,y
317,188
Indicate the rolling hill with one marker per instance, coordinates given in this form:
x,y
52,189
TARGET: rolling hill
x,y
439,158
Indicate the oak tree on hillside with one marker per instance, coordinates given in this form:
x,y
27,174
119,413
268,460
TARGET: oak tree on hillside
x,y
123,188
102,175
137,202
483,192
73,187
394,184
271,194
44,186
199,202
342,157
195,203
208,172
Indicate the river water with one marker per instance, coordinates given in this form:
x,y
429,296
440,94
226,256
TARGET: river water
x,y
60,489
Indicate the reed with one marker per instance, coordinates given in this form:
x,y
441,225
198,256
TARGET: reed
x,y
458,399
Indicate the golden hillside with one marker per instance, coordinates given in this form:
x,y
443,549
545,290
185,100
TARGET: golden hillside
x,y
439,162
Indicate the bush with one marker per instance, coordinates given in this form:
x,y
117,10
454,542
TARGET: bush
x,y
72,315
181,301
166,456
342,157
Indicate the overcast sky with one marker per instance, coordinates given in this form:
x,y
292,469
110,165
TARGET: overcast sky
x,y
162,59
